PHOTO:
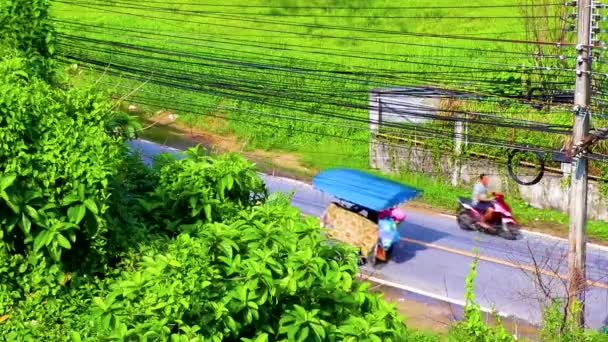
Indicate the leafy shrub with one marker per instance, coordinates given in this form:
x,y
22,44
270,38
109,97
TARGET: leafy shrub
x,y
26,28
557,327
202,188
57,158
267,275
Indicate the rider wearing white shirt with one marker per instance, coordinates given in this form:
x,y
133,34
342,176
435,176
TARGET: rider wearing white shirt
x,y
482,202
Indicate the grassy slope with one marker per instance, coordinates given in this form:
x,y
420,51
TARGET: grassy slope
x,y
401,55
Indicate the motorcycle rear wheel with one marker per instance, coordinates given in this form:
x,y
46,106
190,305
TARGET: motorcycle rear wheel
x,y
465,222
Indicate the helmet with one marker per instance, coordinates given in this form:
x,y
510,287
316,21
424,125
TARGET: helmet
x,y
397,214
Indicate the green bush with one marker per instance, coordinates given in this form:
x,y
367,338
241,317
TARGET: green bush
x,y
201,188
25,27
57,158
267,275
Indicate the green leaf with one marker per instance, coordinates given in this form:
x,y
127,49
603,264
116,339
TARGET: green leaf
x,y
347,281
9,202
21,73
207,209
76,213
263,337
6,181
40,240
25,224
69,199
229,182
75,336
304,334
32,212
32,195
150,206
63,242
90,204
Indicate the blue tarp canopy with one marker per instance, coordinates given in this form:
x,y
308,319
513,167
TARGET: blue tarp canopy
x,y
362,188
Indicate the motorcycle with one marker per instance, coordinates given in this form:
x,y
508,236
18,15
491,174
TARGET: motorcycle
x,y
502,223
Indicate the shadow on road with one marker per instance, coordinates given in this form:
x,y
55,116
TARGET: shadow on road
x,y
405,250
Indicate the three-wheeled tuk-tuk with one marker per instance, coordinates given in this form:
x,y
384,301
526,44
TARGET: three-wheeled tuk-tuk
x,y
363,213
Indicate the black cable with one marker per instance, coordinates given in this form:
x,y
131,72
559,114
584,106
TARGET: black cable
x,y
282,47
379,38
150,49
243,42
315,26
520,147
544,128
440,134
189,12
331,94
334,6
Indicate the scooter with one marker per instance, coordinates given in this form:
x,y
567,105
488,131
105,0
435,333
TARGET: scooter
x,y
502,223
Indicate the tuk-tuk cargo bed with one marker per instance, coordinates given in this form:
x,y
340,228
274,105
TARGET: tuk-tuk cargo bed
x,y
351,228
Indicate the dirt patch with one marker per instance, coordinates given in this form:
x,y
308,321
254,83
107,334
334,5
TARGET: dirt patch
x,y
277,163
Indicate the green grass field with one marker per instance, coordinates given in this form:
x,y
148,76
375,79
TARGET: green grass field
x,y
274,67
297,79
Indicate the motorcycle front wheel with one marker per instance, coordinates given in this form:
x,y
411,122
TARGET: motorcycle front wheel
x,y
509,232
508,235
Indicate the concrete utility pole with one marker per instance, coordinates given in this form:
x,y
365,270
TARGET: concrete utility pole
x,y
577,279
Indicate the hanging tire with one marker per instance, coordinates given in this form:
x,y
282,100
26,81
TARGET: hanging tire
x,y
541,163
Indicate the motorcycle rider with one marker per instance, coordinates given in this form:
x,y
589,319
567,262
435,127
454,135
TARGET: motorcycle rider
x,y
482,202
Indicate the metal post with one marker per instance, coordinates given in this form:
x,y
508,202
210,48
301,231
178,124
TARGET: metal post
x,y
578,184
374,126
458,140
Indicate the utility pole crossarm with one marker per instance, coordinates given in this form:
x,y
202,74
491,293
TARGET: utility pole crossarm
x,y
583,146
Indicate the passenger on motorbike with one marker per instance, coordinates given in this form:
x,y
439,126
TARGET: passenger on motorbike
x,y
388,221
482,202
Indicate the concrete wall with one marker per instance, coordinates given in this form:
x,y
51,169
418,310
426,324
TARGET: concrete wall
x,y
550,192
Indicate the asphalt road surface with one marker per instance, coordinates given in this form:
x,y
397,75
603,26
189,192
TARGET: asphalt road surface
x,y
434,256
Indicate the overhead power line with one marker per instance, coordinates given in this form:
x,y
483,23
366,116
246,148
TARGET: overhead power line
x,y
305,25
353,7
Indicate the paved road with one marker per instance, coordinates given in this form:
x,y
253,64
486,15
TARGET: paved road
x,y
434,257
